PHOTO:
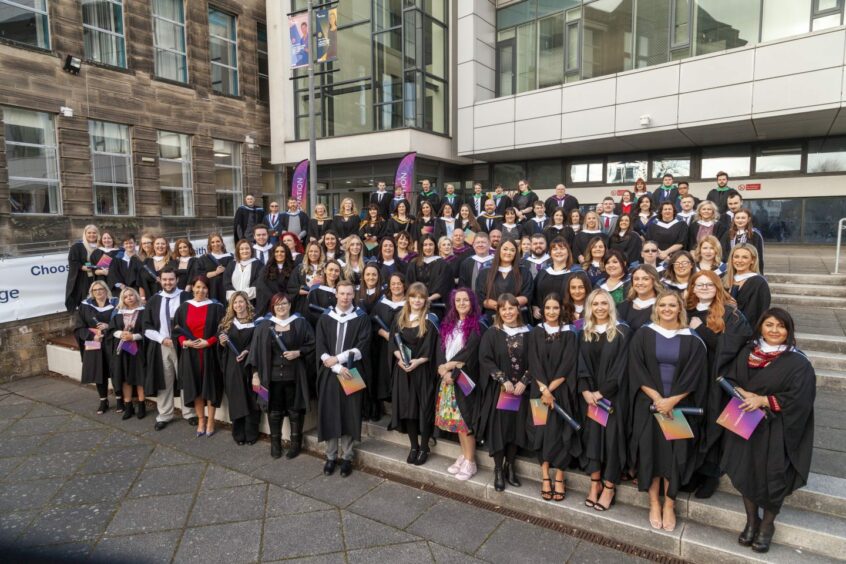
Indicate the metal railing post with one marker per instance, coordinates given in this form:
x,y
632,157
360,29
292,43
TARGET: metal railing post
x,y
840,225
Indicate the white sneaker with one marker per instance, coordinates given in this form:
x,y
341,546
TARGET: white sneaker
x,y
468,470
456,466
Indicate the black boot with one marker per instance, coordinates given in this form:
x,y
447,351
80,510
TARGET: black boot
x,y
103,407
511,474
376,410
119,405
748,534
762,539
499,481
128,412
707,488
296,420
141,410
274,419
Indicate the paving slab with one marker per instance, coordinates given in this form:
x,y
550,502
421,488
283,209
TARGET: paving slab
x,y
232,543
439,524
513,540
150,548
241,503
149,514
394,504
306,534
361,532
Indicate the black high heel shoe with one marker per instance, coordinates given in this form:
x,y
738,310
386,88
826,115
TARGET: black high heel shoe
x,y
588,502
748,534
104,406
511,475
598,506
413,454
762,539
128,412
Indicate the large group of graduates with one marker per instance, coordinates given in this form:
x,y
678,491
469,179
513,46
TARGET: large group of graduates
x,y
585,340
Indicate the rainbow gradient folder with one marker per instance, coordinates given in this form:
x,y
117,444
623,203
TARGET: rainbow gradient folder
x,y
676,428
739,422
262,392
464,382
598,414
354,384
508,402
540,412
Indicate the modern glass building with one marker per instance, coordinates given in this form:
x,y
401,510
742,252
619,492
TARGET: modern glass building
x,y
591,93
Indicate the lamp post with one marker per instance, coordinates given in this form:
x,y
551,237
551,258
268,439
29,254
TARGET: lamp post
x,y
312,130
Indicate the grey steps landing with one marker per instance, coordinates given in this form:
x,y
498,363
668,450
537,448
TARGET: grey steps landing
x,y
787,301
818,532
822,343
831,380
796,289
826,360
822,494
694,541
812,279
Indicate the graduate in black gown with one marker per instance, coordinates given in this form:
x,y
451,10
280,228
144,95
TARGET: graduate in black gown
x,y
602,376
383,315
625,240
91,331
458,351
371,230
213,264
433,272
668,232
106,249
400,220
80,268
124,270
319,224
591,228
705,224
405,248
553,279
414,336
504,369
772,374
321,297
558,228
424,222
151,266
748,288
273,278
347,221
307,274
342,340
126,342
283,373
332,249
505,275
236,331
472,265
196,325
667,369
743,232
553,359
575,298
184,261
369,291
715,318
636,310
242,274
246,217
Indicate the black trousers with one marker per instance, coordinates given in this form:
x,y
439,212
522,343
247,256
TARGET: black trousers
x,y
246,429
283,395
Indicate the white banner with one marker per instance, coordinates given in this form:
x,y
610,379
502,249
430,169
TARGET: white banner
x,y
35,286
32,286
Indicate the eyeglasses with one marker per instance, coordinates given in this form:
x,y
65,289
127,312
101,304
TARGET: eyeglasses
x,y
683,263
704,285
651,251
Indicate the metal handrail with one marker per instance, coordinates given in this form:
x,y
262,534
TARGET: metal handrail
x,y
840,225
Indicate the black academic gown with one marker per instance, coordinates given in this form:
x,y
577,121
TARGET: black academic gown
x,y
667,234
337,413
198,370
693,234
488,223
388,269
371,233
444,228
660,195
97,255
124,273
317,228
269,283
466,268
435,275
581,240
245,219
299,337
386,310
566,232
469,406
568,203
433,199
126,367
649,451
720,197
414,393
383,202
753,298
96,364
722,350
255,270
553,356
184,275
503,285
634,318
237,376
776,460
149,283
396,225
756,240
501,427
79,281
629,244
602,368
345,226
155,379
549,281
209,263
422,227
523,200
319,297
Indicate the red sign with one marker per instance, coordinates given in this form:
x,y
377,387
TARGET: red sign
x,y
618,192
749,187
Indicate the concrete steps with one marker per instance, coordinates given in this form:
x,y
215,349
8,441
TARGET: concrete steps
x,y
812,279
796,289
789,300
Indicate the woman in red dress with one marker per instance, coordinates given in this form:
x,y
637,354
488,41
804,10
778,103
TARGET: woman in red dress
x,y
199,374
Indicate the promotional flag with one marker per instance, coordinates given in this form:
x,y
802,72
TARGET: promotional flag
x,y
299,182
326,23
298,26
405,173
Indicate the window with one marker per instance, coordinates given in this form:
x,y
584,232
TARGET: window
x,y
223,52
734,160
626,169
263,64
677,165
784,19
544,175
827,155
725,24
102,28
111,157
607,37
551,50
268,176
25,21
778,158
175,174
590,171
508,174
652,45
827,13
169,40
32,161
227,176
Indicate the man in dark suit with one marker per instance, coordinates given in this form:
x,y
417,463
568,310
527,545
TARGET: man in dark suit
x,y
477,200
722,192
489,220
382,198
273,222
667,192
451,198
608,219
427,194
246,217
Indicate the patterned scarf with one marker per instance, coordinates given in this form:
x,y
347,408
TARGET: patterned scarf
x,y
760,359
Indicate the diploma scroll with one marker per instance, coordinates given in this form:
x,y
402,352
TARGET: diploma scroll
x,y
683,410
404,350
278,339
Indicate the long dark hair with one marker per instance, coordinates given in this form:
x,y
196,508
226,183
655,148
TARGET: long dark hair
x,y
450,322
568,304
784,318
271,272
493,272
423,239
362,288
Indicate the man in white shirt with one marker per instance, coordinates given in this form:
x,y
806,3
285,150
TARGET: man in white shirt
x,y
261,247
608,219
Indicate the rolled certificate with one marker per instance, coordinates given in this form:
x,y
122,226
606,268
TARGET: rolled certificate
x,y
279,342
605,405
381,323
317,308
230,344
729,388
402,349
683,410
566,416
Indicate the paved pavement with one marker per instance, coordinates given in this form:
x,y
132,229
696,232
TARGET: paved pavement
x,y
74,485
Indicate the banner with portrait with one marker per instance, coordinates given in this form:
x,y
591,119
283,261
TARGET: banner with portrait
x,y
299,32
326,22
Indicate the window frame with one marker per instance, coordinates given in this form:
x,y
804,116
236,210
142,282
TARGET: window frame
x,y
674,45
130,185
58,171
190,209
121,36
259,53
45,13
234,42
154,18
237,195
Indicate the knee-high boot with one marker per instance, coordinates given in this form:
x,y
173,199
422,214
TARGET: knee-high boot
x,y
296,419
274,420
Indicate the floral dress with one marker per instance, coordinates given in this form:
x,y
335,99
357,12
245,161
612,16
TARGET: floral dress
x,y
447,414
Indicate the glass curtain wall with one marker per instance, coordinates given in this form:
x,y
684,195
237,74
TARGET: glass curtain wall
x,y
542,43
391,70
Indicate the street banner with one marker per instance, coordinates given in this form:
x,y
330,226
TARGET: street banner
x,y
326,22
405,173
298,26
299,182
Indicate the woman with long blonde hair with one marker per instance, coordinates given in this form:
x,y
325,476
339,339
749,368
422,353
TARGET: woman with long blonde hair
x,y
745,284
236,334
352,263
212,265
412,342
80,269
346,221
91,331
708,254
591,227
127,345
319,224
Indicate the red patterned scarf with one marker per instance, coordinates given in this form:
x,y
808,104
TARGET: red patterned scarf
x,y
760,359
